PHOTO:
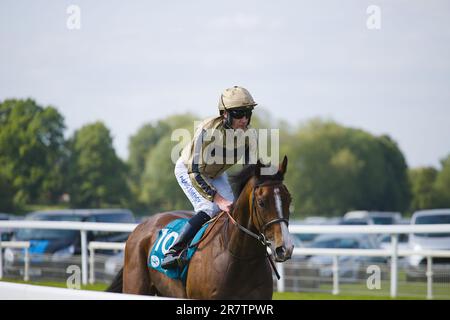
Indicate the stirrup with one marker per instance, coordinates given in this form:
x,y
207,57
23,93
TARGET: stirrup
x,y
174,259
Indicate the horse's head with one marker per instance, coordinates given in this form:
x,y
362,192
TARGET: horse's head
x,y
269,203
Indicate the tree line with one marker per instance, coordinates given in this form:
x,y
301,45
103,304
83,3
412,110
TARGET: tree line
x,y
332,168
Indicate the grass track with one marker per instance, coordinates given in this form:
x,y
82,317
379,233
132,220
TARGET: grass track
x,y
276,295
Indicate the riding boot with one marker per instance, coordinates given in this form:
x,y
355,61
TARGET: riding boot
x,y
172,258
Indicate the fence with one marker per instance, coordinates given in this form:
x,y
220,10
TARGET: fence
x,y
394,253
335,253
16,245
93,245
393,230
83,227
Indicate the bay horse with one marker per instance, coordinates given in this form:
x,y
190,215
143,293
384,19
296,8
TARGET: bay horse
x,y
231,261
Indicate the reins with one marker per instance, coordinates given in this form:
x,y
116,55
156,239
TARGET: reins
x,y
215,219
261,238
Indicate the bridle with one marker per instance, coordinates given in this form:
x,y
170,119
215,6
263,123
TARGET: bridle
x,y
254,212
261,237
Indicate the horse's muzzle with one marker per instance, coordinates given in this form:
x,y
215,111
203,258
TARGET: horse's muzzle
x,y
283,253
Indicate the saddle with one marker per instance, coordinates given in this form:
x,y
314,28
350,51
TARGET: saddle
x,y
166,237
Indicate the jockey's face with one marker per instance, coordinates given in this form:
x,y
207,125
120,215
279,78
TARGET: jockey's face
x,y
239,123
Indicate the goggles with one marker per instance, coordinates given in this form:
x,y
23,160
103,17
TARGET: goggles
x,y
239,114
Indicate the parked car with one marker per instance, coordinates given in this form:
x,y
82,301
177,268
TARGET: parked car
x,y
56,249
376,217
6,233
350,267
403,241
297,242
360,222
357,221
438,241
403,238
114,263
403,244
306,238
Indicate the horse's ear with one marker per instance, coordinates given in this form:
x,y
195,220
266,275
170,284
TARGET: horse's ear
x,y
283,166
258,167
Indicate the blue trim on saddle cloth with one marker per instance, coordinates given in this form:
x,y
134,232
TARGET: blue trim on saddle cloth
x,y
166,237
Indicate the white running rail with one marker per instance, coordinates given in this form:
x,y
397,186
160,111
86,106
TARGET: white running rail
x,y
93,245
17,245
393,230
83,227
335,253
15,291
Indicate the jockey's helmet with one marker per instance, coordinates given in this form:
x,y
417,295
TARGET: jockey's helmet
x,y
236,98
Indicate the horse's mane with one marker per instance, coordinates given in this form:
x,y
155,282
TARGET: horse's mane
x,y
239,180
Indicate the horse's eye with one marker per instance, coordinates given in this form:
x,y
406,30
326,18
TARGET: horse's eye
x,y
261,203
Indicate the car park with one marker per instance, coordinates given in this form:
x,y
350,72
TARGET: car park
x,y
53,249
350,267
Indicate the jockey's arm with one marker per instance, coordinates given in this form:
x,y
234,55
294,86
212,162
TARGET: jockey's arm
x,y
209,192
196,168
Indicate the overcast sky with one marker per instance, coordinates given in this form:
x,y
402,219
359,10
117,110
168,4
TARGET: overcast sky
x,y
133,62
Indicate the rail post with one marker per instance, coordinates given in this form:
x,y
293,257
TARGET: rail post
x,y
394,269
335,275
280,283
1,257
84,262
429,277
26,273
91,264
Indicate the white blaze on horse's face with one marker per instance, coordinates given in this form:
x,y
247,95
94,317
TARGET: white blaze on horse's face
x,y
283,252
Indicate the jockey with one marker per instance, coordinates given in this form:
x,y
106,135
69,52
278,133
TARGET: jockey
x,y
204,182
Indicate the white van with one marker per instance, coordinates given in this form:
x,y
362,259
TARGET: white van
x,y
436,241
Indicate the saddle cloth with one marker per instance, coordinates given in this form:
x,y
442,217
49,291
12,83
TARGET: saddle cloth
x,y
166,237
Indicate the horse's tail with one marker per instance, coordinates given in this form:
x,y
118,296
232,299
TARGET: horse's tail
x,y
117,284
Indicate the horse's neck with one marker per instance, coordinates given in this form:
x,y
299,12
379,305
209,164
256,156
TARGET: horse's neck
x,y
240,244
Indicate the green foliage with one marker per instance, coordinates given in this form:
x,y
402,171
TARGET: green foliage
x,y
158,189
140,143
148,137
430,187
333,169
442,184
31,153
97,176
397,191
422,188
6,194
